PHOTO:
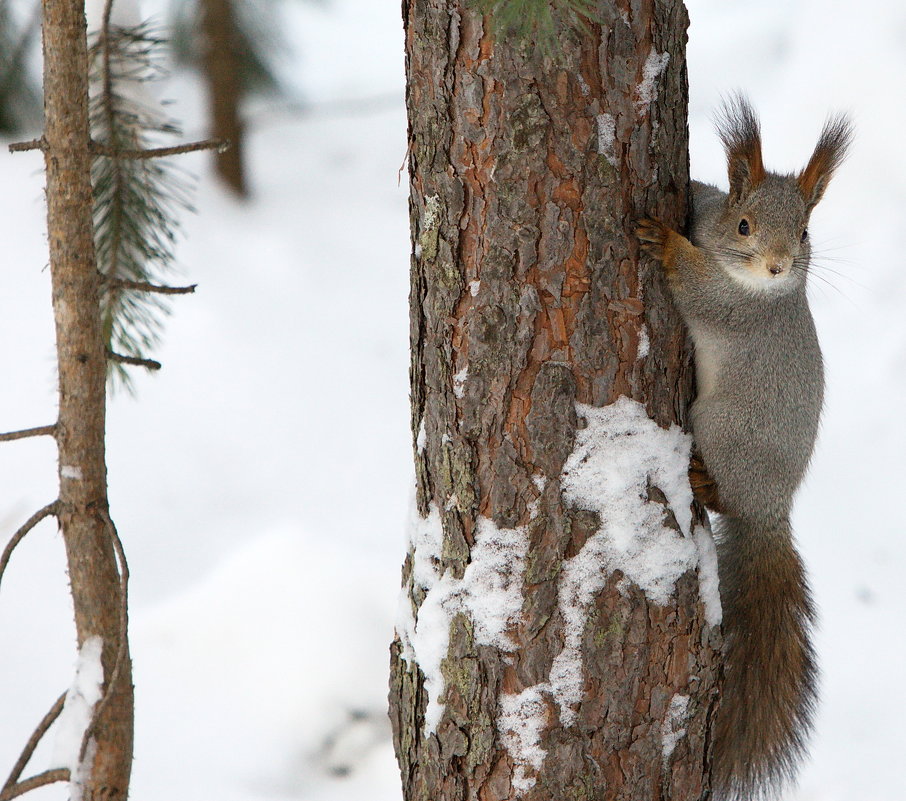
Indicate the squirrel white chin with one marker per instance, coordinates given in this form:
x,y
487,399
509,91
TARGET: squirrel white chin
x,y
760,278
739,282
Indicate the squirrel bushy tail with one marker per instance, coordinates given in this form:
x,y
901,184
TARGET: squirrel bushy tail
x,y
769,693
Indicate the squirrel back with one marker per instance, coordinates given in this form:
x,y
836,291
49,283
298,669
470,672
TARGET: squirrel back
x,y
740,285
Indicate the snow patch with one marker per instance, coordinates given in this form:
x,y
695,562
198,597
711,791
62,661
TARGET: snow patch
x,y
459,382
647,90
615,459
644,343
673,727
708,581
78,708
607,135
521,719
489,593
421,440
474,286
82,773
68,471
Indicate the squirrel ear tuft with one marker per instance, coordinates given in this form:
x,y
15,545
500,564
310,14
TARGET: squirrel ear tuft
x,y
738,129
830,151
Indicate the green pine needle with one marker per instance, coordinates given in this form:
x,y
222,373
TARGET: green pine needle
x,y
136,201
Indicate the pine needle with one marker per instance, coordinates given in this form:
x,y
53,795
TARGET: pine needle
x,y
136,201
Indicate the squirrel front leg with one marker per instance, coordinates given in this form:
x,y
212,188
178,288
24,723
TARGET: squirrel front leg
x,y
672,250
679,257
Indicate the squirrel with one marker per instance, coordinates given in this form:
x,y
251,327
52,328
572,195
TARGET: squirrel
x,y
739,283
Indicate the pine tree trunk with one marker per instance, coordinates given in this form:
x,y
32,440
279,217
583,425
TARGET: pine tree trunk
x,y
83,509
221,70
527,297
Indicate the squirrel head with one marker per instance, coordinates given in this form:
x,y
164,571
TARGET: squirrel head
x,y
763,231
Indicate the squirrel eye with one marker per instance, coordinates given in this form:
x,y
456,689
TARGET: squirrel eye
x,y
804,235
744,226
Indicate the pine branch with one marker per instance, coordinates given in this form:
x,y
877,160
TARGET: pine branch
x,y
140,286
31,144
136,196
28,525
120,358
40,431
220,145
39,732
33,783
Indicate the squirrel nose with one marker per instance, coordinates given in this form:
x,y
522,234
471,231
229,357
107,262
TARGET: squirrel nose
x,y
776,269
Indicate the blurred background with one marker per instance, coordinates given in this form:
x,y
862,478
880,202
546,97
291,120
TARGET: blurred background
x,y
261,480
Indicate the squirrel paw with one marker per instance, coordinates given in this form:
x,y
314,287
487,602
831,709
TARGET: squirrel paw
x,y
653,235
704,488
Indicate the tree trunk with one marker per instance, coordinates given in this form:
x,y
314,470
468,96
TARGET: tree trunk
x,y
534,658
221,71
83,509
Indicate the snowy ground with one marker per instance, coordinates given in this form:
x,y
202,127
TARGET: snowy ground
x,y
261,480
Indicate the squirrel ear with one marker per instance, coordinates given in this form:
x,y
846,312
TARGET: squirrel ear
x,y
738,129
830,151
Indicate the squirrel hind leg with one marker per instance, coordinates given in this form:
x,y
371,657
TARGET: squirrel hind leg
x,y
704,487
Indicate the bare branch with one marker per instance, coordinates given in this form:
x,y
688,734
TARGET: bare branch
x,y
150,364
40,431
37,517
121,651
142,286
42,779
33,144
46,722
220,145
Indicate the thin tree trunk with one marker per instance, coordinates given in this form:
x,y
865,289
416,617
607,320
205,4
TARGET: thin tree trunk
x,y
527,176
221,70
83,509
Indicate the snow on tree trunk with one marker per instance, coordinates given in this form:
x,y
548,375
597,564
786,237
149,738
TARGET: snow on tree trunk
x,y
556,635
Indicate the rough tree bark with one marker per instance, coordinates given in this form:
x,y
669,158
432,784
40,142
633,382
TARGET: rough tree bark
x,y
221,71
527,296
83,509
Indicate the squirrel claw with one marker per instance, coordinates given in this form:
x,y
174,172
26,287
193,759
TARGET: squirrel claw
x,y
653,235
704,488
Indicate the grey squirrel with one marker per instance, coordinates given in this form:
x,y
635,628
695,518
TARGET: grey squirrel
x,y
739,282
